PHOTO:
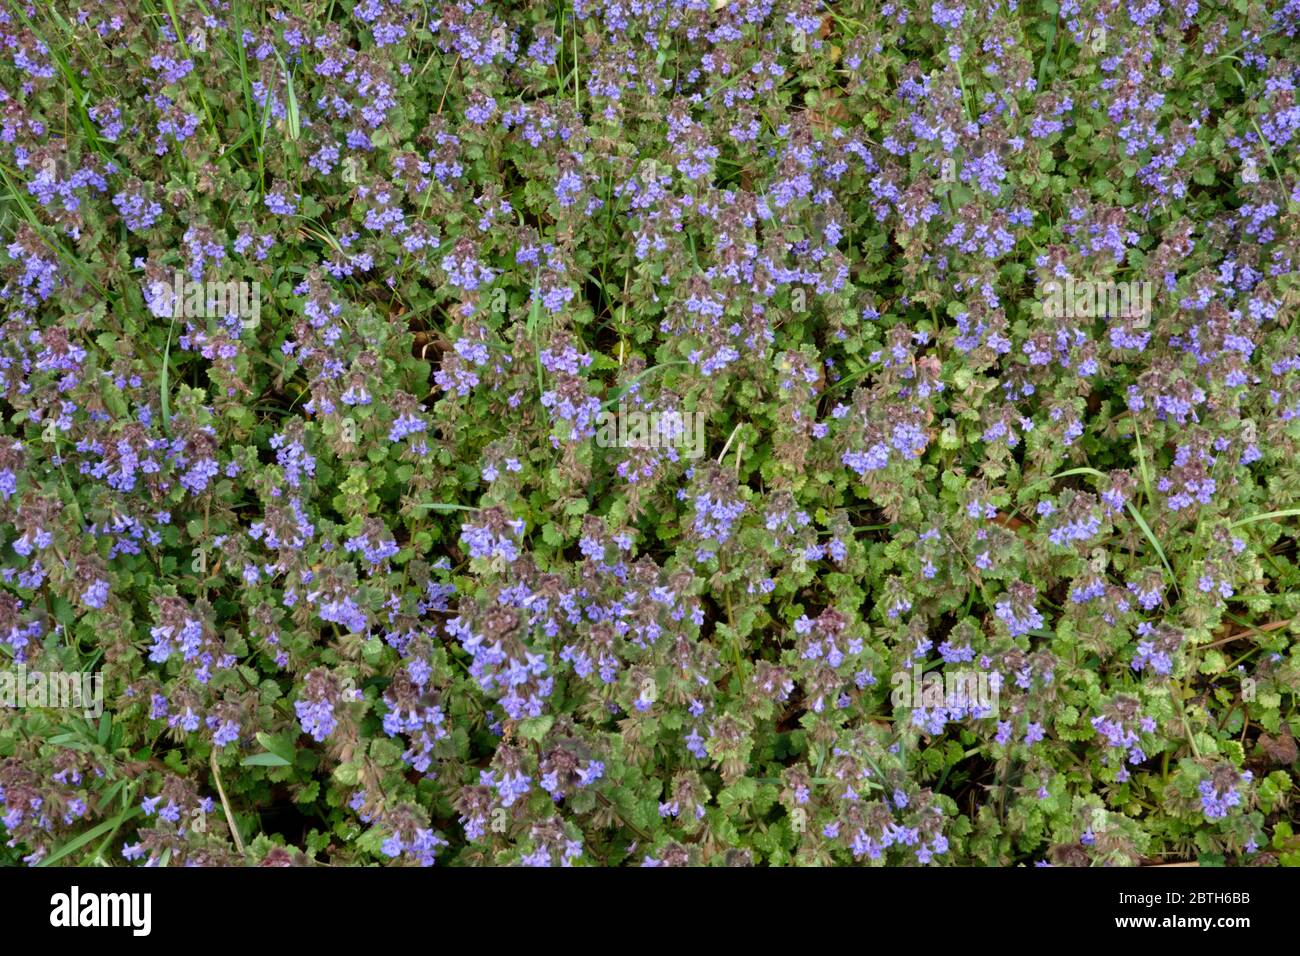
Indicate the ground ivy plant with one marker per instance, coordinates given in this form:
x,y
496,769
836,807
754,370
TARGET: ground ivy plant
x,y
328,335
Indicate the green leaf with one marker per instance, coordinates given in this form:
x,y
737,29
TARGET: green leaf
x,y
281,746
535,728
265,760
1213,663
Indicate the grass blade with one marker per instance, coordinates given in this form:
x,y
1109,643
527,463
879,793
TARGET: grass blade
x,y
1289,513
72,846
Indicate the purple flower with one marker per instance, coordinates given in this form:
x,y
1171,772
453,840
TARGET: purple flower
x,y
96,595
316,717
281,204
1016,609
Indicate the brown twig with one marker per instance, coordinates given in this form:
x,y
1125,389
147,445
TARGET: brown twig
x,y
225,804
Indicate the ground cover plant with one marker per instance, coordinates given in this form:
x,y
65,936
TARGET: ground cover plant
x,y
649,432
